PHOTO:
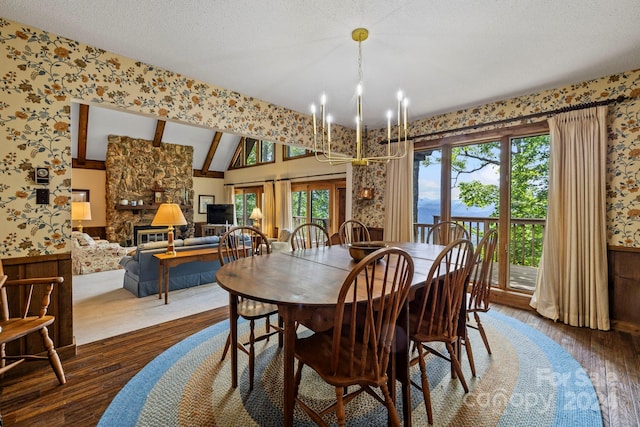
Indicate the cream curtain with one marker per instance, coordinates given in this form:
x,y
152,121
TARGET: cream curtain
x,y
283,205
398,199
230,198
269,210
572,276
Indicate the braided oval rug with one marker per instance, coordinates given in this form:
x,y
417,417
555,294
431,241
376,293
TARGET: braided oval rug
x,y
529,380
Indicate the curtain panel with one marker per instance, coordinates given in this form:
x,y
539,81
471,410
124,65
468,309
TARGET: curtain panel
x,y
230,198
398,201
284,208
269,210
572,277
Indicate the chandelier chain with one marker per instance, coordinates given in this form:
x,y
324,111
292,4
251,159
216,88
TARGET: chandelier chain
x,y
360,62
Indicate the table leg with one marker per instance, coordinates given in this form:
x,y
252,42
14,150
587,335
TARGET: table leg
x,y
160,278
288,362
166,285
233,334
399,364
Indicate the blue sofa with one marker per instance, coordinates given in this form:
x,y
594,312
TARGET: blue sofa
x,y
141,268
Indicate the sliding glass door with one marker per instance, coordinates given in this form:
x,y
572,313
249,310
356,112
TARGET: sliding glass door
x,y
320,202
491,183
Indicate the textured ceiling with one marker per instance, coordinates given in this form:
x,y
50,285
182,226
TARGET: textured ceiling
x,y
445,55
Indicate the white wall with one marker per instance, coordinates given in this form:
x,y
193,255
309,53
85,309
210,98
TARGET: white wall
x,y
206,187
94,181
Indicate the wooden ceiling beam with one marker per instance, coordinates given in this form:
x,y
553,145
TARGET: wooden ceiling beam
x,y
212,151
89,164
197,173
157,137
83,125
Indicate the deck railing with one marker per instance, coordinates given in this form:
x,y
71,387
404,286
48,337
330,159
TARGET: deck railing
x,y
525,244
299,220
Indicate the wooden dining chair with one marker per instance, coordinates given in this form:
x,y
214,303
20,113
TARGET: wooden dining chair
x,y
240,242
480,289
446,232
18,319
309,235
353,231
356,351
435,312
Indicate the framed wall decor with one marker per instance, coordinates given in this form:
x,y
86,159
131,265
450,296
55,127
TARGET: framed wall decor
x,y
78,195
203,201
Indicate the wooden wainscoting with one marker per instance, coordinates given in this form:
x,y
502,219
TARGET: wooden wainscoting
x,y
624,288
61,331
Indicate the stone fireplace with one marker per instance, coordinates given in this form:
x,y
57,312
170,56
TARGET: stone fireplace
x,y
138,171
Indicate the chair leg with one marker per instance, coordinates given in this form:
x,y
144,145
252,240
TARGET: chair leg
x,y
226,347
54,360
467,346
391,408
455,364
280,335
252,354
297,378
482,332
267,327
340,407
426,392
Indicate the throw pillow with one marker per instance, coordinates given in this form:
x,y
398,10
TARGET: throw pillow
x,y
285,235
83,239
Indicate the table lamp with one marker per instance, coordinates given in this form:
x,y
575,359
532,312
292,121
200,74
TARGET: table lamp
x,y
169,214
256,216
80,211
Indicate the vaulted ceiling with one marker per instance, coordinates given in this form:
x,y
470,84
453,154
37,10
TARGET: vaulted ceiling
x,y
445,55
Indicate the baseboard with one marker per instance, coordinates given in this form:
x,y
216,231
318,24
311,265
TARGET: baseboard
x,y
511,299
621,326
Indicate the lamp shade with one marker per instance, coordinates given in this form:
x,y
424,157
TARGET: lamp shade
x,y
256,213
80,211
169,214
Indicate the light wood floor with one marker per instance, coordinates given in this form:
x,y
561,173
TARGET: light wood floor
x,y
102,368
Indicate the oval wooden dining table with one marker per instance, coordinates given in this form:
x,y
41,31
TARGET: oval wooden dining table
x,y
304,284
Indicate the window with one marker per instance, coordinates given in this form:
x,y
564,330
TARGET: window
x,y
253,152
500,180
246,199
318,202
290,152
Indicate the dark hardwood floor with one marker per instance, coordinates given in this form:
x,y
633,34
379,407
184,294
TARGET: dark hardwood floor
x,y
102,368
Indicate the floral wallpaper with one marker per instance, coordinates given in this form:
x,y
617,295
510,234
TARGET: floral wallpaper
x,y
40,73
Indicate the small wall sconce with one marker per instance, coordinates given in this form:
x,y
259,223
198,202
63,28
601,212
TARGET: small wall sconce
x,y
366,193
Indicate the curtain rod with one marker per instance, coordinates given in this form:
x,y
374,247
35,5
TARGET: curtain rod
x,y
252,182
288,179
311,176
621,98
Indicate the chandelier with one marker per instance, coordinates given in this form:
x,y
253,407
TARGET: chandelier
x,y
322,142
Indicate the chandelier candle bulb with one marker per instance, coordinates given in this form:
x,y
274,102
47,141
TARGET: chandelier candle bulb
x,y
405,103
323,100
399,108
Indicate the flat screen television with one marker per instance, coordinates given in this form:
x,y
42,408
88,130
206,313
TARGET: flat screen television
x,y
219,214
